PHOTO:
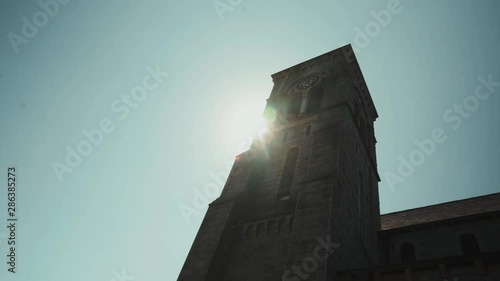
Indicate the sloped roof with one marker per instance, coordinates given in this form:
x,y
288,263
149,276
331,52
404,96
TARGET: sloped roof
x,y
440,212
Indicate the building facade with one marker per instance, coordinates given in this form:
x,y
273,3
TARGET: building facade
x,y
302,203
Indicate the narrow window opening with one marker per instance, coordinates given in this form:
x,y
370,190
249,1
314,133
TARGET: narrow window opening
x,y
315,98
294,106
308,130
407,252
288,172
469,244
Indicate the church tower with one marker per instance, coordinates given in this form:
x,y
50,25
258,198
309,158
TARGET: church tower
x,y
302,203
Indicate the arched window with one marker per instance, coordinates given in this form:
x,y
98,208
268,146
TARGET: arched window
x,y
288,171
407,252
469,244
294,104
315,98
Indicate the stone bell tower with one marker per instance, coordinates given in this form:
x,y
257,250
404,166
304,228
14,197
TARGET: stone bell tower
x,y
302,202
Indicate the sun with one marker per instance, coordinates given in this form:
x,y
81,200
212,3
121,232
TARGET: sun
x,y
247,121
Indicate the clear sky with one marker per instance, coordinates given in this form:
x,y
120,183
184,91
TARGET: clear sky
x,y
69,70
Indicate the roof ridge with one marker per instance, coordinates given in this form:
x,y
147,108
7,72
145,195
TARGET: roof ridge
x,y
444,203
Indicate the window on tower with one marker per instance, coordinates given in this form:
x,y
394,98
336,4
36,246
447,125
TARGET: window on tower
x,y
288,172
469,244
294,104
407,252
315,99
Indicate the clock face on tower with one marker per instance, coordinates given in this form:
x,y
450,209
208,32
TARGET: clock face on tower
x,y
308,82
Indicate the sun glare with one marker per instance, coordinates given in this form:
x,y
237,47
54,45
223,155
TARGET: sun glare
x,y
247,121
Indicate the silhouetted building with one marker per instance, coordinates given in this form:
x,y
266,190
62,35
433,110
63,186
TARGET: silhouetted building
x,y
302,203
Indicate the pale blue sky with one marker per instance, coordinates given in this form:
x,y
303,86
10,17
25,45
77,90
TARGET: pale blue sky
x,y
119,208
